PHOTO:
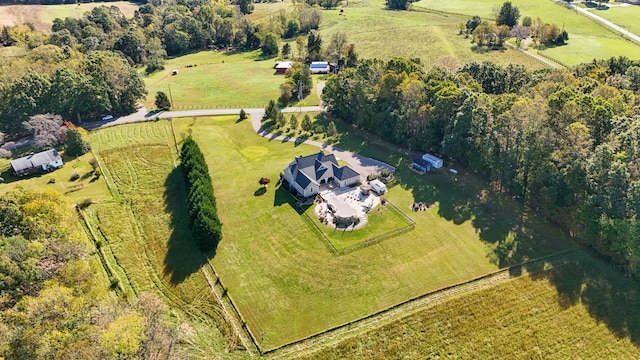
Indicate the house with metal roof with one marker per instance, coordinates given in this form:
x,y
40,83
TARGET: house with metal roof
x,y
319,67
43,161
307,174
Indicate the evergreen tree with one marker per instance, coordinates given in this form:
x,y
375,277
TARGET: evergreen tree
x,y
162,101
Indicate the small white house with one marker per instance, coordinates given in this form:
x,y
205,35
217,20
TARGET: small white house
x,y
319,67
435,161
378,186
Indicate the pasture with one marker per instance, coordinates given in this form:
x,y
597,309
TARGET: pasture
x,y
145,233
42,16
625,16
431,36
587,39
212,79
75,180
583,308
288,285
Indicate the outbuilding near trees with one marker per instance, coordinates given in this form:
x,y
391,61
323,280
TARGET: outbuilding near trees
x,y
43,161
435,161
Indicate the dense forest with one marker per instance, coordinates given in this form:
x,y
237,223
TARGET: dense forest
x,y
566,142
52,303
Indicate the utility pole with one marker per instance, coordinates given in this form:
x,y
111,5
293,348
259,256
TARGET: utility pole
x,y
300,87
170,96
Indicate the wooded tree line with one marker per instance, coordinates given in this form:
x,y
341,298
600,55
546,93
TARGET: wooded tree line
x,y
566,142
66,82
201,201
52,303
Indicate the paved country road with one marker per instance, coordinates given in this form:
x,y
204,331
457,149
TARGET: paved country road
x,y
623,31
361,164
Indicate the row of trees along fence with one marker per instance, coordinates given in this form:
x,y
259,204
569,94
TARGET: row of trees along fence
x,y
201,202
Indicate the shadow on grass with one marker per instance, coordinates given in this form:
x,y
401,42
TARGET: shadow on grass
x,y
515,234
608,295
183,257
284,197
261,191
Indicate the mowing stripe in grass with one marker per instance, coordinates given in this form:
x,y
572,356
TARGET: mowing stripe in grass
x,y
410,306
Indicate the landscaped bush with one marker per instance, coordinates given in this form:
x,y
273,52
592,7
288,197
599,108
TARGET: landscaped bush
x,y
201,202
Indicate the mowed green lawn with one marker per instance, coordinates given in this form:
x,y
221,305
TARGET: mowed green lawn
x,y
288,285
587,39
211,79
584,309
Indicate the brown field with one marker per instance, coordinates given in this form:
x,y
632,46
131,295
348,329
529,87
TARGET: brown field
x,y
42,16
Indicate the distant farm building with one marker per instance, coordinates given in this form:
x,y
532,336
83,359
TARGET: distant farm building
x,y
43,161
306,174
319,67
435,161
421,165
282,66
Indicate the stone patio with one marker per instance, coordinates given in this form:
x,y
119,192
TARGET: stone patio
x,y
345,202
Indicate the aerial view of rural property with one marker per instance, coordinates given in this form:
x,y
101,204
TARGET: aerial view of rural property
x,y
319,179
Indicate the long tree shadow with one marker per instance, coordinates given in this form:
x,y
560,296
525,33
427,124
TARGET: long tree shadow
x,y
517,235
183,256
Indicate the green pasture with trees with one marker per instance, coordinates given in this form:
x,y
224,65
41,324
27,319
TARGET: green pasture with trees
x,y
588,40
296,297
561,141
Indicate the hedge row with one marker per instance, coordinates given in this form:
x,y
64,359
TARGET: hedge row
x,y
205,224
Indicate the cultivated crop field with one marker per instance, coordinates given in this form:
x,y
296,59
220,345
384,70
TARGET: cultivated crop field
x,y
288,285
581,309
587,39
42,16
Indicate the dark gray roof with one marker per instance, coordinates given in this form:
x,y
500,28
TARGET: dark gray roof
x,y
343,173
302,180
422,162
306,169
35,160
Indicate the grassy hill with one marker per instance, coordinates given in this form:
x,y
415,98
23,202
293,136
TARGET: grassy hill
x,y
42,16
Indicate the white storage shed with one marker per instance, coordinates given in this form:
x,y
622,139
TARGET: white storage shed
x,y
378,186
435,161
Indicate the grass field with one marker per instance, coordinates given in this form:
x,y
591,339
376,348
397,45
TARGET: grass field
x,y
587,39
429,36
146,231
625,16
211,79
76,191
583,309
42,16
382,220
287,284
